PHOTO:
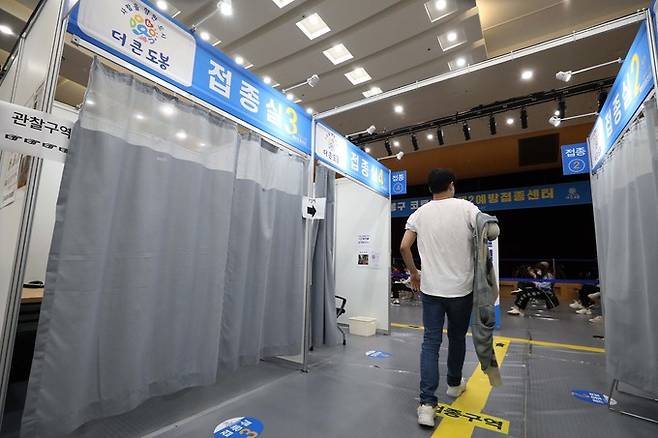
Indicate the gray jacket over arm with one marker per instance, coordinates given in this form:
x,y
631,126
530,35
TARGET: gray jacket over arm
x,y
485,293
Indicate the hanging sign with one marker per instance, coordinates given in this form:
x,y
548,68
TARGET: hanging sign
x,y
551,195
632,86
575,159
341,155
399,182
595,398
313,208
138,33
240,427
34,133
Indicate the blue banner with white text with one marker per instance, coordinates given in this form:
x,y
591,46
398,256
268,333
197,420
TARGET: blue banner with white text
x,y
575,159
550,195
399,182
140,34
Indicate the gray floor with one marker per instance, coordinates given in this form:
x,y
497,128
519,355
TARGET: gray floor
x,y
347,394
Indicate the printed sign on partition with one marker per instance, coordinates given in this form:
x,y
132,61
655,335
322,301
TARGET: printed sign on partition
x,y
633,84
575,159
239,427
399,182
341,155
32,132
143,34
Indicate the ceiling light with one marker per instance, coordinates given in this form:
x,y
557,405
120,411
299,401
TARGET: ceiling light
x,y
524,118
555,121
439,136
556,113
399,109
387,146
399,155
358,76
396,144
371,129
467,131
367,150
452,36
564,75
438,9
309,111
167,110
313,26
282,3
492,125
562,108
430,136
162,5
239,60
290,96
267,80
526,75
205,36
225,7
338,54
440,5
139,116
452,39
414,142
509,121
372,92
181,135
6,29
461,62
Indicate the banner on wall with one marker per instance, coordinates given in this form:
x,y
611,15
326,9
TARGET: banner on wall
x,y
138,33
341,155
575,159
551,195
631,88
34,133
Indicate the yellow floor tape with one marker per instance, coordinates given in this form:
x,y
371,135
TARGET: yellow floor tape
x,y
465,413
519,340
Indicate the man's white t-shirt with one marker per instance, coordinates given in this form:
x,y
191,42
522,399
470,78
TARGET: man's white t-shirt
x,y
445,242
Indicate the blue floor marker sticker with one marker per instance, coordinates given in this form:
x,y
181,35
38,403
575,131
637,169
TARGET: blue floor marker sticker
x,y
595,398
243,427
378,354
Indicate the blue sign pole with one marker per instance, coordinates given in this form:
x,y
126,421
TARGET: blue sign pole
x,y
575,159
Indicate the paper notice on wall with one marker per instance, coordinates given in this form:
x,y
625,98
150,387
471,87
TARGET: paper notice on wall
x,y
9,171
367,257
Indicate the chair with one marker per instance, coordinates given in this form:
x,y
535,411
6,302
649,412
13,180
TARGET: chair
x,y
339,311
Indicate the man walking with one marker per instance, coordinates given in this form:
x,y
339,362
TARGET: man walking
x,y
444,229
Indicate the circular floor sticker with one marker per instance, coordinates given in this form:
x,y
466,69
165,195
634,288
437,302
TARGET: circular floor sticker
x,y
242,427
595,398
378,354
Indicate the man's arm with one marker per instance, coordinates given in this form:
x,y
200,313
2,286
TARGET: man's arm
x,y
405,249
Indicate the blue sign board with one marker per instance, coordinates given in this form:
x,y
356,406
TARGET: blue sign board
x,y
550,195
378,354
140,34
399,182
633,84
575,159
239,427
595,398
341,155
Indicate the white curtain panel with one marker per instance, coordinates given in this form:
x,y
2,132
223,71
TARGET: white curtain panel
x,y
625,201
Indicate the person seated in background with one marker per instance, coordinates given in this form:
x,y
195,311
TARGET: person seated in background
x,y
399,282
538,289
583,305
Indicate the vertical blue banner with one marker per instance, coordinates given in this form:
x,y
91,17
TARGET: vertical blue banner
x,y
399,182
575,159
631,88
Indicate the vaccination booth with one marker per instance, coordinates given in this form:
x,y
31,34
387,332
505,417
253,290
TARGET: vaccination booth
x,y
188,221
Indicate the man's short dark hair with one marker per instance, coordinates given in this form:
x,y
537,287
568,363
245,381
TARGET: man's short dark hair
x,y
439,180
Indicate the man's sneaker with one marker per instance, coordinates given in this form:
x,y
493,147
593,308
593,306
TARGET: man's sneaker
x,y
576,305
594,296
584,311
456,391
514,311
426,415
596,319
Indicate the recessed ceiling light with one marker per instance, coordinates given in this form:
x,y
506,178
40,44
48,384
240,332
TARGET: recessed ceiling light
x,y
367,150
452,36
372,92
90,102
309,110
205,36
267,80
452,39
139,116
509,121
526,75
167,110
162,5
181,135
430,136
239,60
313,26
396,144
399,109
358,76
6,29
282,3
290,96
440,5
338,54
438,9
225,7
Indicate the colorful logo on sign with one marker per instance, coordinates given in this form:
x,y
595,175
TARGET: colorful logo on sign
x,y
243,427
595,398
143,28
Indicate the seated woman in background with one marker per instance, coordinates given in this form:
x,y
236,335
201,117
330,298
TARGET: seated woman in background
x,y
538,289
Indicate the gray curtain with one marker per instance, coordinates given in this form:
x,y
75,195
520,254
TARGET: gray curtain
x,y
323,289
144,289
625,200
